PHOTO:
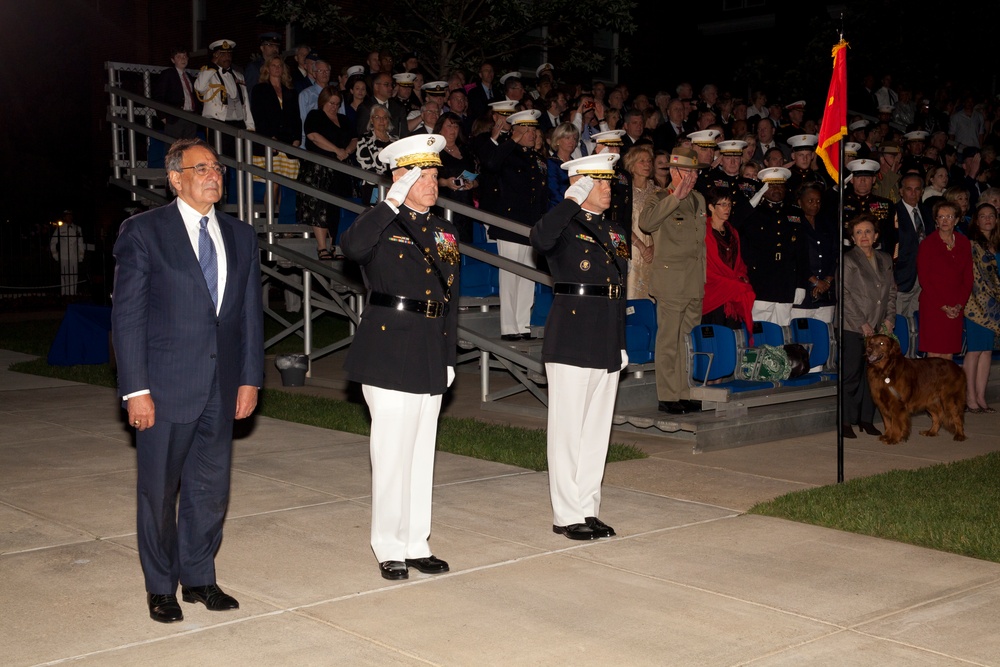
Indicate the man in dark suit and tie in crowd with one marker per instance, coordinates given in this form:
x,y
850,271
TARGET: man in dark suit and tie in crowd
x,y
175,87
187,324
911,219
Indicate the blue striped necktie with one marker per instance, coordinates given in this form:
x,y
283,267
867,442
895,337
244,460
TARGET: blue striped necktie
x,y
208,260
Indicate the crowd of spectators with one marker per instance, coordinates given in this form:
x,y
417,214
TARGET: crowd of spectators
x,y
914,155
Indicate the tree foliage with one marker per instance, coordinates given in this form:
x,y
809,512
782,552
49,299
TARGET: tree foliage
x,y
463,33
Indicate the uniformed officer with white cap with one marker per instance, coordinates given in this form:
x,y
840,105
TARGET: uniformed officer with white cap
x,y
518,174
803,153
404,351
222,90
584,349
775,251
859,197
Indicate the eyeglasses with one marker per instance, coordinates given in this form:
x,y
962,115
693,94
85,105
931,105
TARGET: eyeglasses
x,y
202,168
946,217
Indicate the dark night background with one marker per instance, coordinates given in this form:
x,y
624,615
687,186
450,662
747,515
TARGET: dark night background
x,y
56,143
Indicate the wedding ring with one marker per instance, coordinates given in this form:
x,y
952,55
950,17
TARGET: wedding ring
x,y
136,422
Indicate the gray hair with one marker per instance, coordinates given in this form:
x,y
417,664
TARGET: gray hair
x,y
175,157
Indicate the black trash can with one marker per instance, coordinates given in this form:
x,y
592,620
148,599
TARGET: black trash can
x,y
293,369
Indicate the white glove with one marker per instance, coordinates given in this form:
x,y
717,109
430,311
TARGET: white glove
x,y
397,193
451,375
757,197
578,191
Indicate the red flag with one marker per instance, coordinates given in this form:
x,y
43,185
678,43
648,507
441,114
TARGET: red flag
x,y
834,127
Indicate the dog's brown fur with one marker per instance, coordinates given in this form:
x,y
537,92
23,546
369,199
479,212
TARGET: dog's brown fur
x,y
902,386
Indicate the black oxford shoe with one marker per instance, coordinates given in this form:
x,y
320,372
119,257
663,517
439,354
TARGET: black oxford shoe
x,y
164,608
673,407
429,565
575,531
393,570
692,406
211,596
510,337
600,528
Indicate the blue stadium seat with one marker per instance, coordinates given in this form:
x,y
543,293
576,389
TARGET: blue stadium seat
x,y
479,279
902,332
815,335
715,356
640,331
768,333
542,305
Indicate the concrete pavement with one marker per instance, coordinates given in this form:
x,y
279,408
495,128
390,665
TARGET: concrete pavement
x,y
690,580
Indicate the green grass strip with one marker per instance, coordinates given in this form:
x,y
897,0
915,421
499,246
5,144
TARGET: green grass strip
x,y
951,507
515,446
512,445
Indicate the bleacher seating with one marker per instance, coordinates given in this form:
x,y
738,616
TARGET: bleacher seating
x,y
714,356
640,331
817,336
480,279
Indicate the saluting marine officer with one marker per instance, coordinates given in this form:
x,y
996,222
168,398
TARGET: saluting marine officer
x,y
405,348
584,348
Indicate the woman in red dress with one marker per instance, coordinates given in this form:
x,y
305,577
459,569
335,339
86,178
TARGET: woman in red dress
x,y
944,269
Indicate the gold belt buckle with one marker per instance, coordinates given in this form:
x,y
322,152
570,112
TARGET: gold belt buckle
x,y
614,291
433,309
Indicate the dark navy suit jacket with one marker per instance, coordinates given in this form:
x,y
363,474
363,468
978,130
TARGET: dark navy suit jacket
x,y
909,242
167,336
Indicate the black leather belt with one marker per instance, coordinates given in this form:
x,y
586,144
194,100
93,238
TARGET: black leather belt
x,y
577,289
429,309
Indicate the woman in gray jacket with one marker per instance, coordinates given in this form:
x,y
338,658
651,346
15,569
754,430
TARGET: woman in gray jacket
x,y
869,307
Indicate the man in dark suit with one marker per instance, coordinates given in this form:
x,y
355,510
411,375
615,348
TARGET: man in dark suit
x,y
555,105
174,86
911,218
382,96
483,92
188,335
404,352
766,140
666,134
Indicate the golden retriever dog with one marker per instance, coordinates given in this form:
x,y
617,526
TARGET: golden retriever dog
x,y
902,386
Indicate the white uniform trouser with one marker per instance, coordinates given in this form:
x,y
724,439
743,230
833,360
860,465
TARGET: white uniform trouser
x,y
404,429
581,405
517,294
823,313
772,311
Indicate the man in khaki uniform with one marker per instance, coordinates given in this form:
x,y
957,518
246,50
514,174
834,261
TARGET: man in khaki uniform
x,y
676,219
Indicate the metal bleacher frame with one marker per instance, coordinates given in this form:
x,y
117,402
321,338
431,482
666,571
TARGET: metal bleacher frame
x,y
323,287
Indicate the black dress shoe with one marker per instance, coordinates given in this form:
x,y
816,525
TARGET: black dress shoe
x,y
848,431
164,608
673,407
211,596
576,531
692,406
394,570
429,565
527,336
600,528
869,428
510,338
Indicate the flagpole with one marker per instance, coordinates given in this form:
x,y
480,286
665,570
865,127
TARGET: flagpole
x,y
832,150
840,291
